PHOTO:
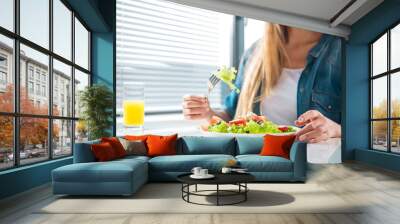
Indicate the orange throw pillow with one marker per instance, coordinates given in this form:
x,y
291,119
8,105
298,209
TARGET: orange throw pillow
x,y
161,145
116,145
275,145
103,152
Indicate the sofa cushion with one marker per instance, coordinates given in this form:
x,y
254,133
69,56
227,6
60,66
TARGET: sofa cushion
x,y
185,163
112,171
257,163
136,147
197,145
275,145
249,145
83,152
161,145
116,145
103,152
132,159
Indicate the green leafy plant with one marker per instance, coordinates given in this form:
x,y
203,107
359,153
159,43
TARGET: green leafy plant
x,y
96,103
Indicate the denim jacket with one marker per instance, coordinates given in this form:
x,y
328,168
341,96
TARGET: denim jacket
x,y
319,86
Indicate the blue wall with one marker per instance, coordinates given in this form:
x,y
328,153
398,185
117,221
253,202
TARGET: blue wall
x,y
24,178
357,84
99,16
103,62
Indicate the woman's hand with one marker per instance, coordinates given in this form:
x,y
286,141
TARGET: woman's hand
x,y
196,107
317,127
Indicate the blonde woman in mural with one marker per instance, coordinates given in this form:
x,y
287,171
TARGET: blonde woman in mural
x,y
291,76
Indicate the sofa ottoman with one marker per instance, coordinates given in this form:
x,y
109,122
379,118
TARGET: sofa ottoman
x,y
118,177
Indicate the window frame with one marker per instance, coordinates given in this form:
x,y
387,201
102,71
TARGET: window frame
x,y
16,115
388,74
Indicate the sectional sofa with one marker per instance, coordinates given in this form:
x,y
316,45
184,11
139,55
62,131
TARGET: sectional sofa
x,y
125,176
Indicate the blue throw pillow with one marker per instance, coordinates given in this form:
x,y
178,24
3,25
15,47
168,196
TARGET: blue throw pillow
x,y
194,145
249,145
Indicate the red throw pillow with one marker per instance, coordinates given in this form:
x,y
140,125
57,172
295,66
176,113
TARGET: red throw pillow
x,y
277,145
116,145
103,152
161,145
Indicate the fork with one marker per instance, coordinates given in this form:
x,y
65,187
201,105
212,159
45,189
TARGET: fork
x,y
213,80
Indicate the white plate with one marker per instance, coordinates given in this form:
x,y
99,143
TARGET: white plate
x,y
208,176
208,133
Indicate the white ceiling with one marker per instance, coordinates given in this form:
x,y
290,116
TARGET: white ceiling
x,y
320,9
317,15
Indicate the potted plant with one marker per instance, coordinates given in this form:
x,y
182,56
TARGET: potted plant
x,y
96,103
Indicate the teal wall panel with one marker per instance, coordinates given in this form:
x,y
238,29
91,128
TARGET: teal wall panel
x,y
24,178
380,159
356,139
103,58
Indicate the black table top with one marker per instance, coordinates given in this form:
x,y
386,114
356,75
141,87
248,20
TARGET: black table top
x,y
220,178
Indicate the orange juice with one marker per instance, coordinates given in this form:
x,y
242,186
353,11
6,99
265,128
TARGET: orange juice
x,y
133,112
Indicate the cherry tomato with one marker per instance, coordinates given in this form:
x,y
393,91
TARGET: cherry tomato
x,y
215,120
238,122
283,129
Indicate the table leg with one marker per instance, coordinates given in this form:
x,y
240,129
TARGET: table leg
x,y
217,194
188,190
245,193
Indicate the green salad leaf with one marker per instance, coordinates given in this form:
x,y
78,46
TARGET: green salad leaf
x,y
222,127
227,75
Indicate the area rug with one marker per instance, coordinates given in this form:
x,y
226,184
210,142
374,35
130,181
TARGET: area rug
x,y
166,198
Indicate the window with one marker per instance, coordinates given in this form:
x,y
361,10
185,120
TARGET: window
x,y
63,73
38,73
44,130
81,45
3,61
253,31
385,94
6,72
44,91
62,32
37,92
6,142
62,137
81,81
30,72
3,72
7,14
30,87
3,78
34,21
173,49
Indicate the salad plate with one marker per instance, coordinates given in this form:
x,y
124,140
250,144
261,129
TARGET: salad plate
x,y
250,126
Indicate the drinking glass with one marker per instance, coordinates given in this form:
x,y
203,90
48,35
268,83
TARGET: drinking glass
x,y
133,106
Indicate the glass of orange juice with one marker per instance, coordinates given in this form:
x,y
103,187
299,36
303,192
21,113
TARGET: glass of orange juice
x,y
133,105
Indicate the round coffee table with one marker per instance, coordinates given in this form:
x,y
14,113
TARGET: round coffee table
x,y
238,179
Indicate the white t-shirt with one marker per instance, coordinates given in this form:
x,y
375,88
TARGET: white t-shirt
x,y
281,105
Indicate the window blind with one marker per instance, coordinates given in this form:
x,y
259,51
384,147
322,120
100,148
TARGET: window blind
x,y
172,49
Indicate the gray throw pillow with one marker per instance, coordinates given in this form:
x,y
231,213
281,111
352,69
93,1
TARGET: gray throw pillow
x,y
136,148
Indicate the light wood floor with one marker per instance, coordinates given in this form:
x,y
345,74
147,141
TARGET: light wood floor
x,y
378,188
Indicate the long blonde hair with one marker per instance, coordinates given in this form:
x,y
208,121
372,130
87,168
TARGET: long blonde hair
x,y
264,68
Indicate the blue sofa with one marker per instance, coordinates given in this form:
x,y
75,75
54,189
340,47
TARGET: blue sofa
x,y
125,176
